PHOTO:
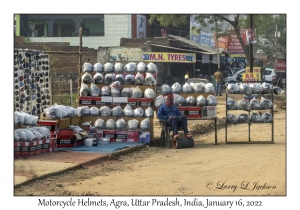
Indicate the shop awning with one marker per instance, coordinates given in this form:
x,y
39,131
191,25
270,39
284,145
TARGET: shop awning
x,y
175,48
206,50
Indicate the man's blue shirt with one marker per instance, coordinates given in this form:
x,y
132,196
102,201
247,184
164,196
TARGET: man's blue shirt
x,y
164,112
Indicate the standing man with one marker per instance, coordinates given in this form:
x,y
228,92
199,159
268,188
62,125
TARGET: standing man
x,y
219,79
186,76
173,117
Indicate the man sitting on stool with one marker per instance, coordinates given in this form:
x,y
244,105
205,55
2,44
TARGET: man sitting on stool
x,y
173,117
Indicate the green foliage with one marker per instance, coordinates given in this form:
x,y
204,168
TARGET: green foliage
x,y
64,99
174,20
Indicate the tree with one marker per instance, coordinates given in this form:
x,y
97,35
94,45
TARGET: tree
x,y
174,20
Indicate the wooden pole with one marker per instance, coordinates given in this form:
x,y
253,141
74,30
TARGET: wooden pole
x,y
80,60
71,91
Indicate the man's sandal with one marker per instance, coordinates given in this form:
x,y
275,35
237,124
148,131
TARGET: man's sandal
x,y
188,135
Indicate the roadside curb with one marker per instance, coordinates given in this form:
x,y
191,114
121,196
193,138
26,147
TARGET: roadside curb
x,y
95,161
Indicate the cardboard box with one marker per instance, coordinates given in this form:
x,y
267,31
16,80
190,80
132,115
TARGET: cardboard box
x,y
190,111
17,149
209,111
86,100
46,146
106,99
144,137
75,120
66,138
97,101
64,123
90,119
132,101
111,134
121,136
39,147
132,136
24,148
85,127
52,144
146,102
32,148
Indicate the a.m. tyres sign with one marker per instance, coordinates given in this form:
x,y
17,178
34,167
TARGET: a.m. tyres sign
x,y
168,57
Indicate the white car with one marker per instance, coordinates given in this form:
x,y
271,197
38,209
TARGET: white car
x,y
269,75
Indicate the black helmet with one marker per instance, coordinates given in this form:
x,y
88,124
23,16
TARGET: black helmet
x,y
38,100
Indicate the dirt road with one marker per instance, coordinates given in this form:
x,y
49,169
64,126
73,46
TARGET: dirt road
x,y
206,169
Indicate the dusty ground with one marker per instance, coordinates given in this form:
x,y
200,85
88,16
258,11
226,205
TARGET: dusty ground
x,y
206,169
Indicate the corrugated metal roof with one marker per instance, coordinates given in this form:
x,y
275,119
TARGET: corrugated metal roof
x,y
206,49
168,47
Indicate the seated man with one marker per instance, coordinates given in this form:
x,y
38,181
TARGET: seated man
x,y
173,117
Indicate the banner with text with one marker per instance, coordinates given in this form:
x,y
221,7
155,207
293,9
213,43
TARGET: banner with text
x,y
168,57
234,45
251,77
281,66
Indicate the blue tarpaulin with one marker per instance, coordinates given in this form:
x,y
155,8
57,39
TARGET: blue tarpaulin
x,y
102,148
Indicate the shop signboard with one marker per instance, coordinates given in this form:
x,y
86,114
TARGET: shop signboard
x,y
251,77
281,66
234,45
168,57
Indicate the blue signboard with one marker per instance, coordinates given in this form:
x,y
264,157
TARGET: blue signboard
x,y
204,39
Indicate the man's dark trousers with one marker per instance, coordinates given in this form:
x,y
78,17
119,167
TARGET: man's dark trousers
x,y
176,122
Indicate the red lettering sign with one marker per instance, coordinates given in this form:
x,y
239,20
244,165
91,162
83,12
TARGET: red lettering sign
x,y
280,65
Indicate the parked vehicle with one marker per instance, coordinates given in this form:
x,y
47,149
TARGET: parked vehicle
x,y
198,80
236,77
269,75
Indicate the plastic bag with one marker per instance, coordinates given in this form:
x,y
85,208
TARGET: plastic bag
x,y
84,111
145,124
244,104
120,78
244,88
254,103
179,100
105,91
110,124
87,78
37,134
267,118
29,135
95,90
137,92
130,68
115,92
255,117
149,93
53,112
149,112
133,124
267,88
117,111
242,118
108,68
165,89
28,119
105,111
201,101
138,112
121,124
16,118
20,135
231,119
151,68
231,104
116,85
119,68
84,90
256,88
98,78
99,124
98,67
187,88
94,111
129,79
190,101
233,88
211,100
277,91
127,111
126,92
139,79
176,88
265,103
45,132
141,67
209,88
197,88
76,112
159,100
87,67
109,78
150,80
